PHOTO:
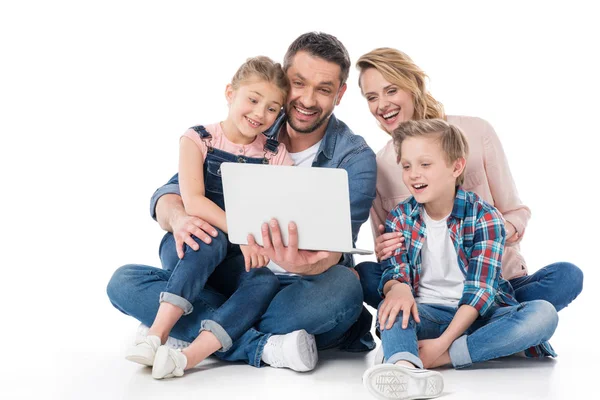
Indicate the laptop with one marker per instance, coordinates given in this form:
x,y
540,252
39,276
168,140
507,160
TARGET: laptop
x,y
316,199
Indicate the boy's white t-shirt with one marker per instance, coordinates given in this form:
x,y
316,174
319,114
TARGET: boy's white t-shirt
x,y
303,158
441,279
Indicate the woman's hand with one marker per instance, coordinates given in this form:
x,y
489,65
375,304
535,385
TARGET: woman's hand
x,y
387,243
512,236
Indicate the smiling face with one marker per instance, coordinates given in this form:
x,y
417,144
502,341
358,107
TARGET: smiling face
x,y
427,174
253,108
315,91
388,103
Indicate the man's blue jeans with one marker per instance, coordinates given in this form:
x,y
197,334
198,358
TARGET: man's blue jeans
x,y
504,331
559,284
326,305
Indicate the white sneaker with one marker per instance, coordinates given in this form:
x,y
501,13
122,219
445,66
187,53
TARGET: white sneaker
x,y
144,350
168,363
173,343
296,350
389,381
379,357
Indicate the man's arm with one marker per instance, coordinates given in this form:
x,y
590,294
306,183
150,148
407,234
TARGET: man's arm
x,y
362,177
171,187
167,208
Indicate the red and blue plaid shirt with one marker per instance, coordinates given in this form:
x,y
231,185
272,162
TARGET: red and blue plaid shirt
x,y
477,232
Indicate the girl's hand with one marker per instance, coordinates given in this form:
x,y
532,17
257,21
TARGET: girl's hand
x,y
252,257
184,226
387,243
398,298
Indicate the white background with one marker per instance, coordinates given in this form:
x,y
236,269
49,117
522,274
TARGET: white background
x,y
94,97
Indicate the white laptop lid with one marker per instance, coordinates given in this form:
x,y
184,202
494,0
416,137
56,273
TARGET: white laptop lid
x,y
316,199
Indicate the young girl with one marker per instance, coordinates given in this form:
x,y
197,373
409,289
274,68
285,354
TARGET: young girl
x,y
255,96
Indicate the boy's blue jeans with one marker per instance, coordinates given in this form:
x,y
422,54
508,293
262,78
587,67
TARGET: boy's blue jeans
x,y
559,284
504,331
325,305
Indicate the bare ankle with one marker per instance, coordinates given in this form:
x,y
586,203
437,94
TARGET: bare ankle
x,y
161,334
405,363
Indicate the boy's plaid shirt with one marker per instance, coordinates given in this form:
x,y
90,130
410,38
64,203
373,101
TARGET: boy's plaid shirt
x,y
477,232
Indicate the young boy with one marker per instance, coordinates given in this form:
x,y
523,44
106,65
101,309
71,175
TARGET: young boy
x,y
450,268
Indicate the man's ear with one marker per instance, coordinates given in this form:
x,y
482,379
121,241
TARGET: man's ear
x,y
340,94
459,166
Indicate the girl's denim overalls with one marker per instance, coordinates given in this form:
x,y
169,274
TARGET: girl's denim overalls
x,y
251,292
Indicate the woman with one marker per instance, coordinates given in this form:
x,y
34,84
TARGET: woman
x,y
394,87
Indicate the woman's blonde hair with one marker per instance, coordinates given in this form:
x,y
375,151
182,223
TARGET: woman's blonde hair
x,y
265,69
452,140
398,68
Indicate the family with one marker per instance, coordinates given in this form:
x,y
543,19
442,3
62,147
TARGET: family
x,y
450,285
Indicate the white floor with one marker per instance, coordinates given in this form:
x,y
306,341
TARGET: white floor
x,y
85,361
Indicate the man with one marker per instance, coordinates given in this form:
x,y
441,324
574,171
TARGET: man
x,y
320,293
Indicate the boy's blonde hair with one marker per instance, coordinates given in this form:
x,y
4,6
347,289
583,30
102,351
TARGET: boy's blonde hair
x,y
452,140
265,69
398,69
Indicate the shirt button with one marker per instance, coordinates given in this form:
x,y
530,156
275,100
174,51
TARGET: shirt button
x,y
241,151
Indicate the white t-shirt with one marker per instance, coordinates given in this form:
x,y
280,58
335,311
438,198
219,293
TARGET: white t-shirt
x,y
306,157
303,158
441,280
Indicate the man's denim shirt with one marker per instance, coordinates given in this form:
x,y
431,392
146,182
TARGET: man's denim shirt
x,y
340,148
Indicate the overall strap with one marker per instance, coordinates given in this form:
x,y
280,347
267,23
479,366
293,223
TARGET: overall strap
x,y
204,136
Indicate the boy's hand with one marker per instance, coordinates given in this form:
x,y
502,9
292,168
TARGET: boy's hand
x,y
387,243
253,258
398,298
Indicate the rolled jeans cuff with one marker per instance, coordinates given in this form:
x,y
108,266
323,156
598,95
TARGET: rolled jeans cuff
x,y
178,301
405,356
217,330
459,353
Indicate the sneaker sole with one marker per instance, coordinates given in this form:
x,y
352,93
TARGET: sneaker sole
x,y
140,359
386,381
307,347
